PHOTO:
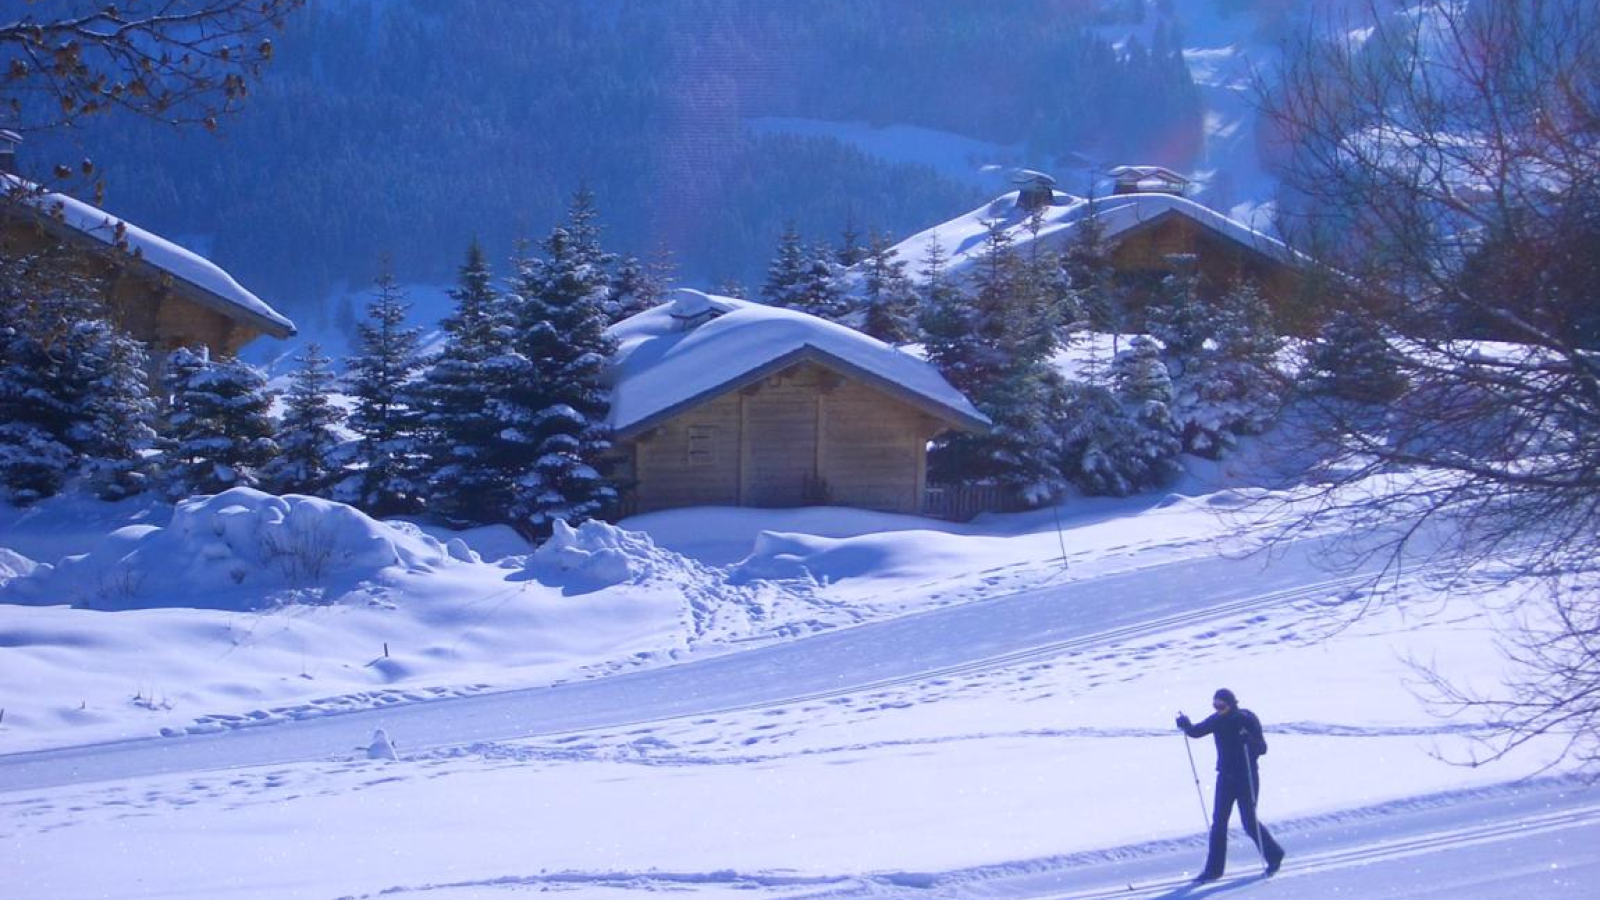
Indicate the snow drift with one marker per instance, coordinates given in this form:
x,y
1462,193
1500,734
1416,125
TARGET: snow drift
x,y
238,550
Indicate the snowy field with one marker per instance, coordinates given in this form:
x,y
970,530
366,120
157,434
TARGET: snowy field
x,y
725,703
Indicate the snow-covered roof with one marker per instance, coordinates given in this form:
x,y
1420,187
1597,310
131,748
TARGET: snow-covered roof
x,y
201,280
662,367
962,239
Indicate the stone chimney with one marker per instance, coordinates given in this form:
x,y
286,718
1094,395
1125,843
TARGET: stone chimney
x,y
8,151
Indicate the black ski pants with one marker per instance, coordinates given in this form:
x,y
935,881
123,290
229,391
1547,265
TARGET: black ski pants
x,y
1235,788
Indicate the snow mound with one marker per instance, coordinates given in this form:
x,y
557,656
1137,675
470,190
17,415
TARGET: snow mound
x,y
14,565
241,549
596,555
780,556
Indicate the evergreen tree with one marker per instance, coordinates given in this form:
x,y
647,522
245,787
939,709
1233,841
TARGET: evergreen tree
x,y
74,399
470,466
309,460
1222,358
1179,317
1122,439
35,456
786,272
1089,271
634,289
850,250
383,476
557,409
1351,360
219,425
820,290
1142,386
889,299
111,380
997,352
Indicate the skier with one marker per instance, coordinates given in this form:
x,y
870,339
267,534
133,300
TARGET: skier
x,y
1239,743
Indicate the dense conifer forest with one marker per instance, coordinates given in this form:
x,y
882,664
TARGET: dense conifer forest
x,y
408,128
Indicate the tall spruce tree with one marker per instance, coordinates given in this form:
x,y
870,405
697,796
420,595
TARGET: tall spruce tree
x,y
308,437
786,271
219,425
558,407
1089,270
997,352
889,299
383,475
820,291
470,465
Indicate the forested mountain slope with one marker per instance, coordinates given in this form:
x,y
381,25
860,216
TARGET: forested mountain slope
x,y
404,128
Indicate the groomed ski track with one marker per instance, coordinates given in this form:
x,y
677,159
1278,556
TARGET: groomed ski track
x,y
984,634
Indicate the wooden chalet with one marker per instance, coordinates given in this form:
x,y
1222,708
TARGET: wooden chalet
x,y
720,402
162,294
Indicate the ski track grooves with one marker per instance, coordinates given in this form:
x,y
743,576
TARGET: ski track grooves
x,y
1314,863
827,665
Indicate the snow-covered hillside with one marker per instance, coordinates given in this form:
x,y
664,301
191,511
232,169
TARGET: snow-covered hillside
x,y
740,702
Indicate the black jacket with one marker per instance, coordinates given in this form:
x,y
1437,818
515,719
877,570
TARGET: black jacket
x,y
1238,735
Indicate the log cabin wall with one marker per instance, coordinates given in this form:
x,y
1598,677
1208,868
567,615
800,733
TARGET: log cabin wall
x,y
805,436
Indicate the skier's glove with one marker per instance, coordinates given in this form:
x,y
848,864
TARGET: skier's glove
x,y
1183,722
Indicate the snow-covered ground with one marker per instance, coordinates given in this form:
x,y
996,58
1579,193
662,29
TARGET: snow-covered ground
x,y
736,703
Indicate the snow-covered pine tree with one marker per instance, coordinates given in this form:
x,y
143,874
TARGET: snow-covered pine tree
x,y
1184,322
1223,357
634,289
1001,362
219,425
1096,440
1142,386
1242,373
1121,439
787,269
889,299
382,476
557,412
850,251
1089,271
117,409
74,399
310,457
1352,360
820,291
1179,317
470,466
35,458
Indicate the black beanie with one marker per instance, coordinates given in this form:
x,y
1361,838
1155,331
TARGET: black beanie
x,y
1226,695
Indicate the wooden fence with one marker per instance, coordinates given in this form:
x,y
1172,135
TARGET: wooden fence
x,y
960,502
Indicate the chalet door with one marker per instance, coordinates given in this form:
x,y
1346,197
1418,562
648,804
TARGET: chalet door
x,y
779,429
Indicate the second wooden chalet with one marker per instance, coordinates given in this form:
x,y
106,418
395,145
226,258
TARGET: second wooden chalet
x,y
161,293
723,402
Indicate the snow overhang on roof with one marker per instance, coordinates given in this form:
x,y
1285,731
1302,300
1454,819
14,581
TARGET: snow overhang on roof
x,y
196,278
660,369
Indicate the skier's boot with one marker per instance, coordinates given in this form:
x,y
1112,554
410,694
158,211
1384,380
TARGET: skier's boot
x,y
1275,862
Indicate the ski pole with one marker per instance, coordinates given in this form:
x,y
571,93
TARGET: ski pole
x,y
1255,805
1199,794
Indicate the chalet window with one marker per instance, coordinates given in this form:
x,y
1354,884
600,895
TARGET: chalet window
x,y
702,445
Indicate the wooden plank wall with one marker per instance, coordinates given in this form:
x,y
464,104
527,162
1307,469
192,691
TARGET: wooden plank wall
x,y
806,436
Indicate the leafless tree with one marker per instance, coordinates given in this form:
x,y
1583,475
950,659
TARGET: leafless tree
x,y
1443,160
178,61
